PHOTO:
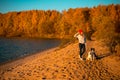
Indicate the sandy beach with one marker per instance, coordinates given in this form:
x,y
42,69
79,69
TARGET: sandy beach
x,y
63,64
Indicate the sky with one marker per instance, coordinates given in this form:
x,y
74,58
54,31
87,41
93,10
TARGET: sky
x,y
59,5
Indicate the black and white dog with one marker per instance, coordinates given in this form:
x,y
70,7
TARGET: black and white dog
x,y
91,54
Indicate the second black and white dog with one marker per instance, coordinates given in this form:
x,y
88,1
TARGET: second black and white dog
x,y
91,54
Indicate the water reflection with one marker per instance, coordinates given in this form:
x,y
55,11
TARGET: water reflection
x,y
13,48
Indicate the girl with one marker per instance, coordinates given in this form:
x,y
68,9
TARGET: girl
x,y
82,40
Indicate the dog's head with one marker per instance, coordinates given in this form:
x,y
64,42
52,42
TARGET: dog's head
x,y
92,49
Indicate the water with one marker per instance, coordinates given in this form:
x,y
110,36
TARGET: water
x,y
11,49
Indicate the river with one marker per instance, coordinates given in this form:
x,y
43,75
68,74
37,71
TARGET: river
x,y
13,48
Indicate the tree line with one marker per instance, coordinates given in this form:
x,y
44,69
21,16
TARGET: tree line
x,y
98,22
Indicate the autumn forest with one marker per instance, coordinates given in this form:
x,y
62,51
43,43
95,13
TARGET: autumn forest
x,y
97,22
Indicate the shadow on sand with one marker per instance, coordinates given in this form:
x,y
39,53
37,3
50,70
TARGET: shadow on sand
x,y
103,56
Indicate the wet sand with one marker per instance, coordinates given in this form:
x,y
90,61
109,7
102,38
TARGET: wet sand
x,y
63,64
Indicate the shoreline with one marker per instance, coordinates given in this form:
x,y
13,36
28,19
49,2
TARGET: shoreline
x,y
22,60
14,48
